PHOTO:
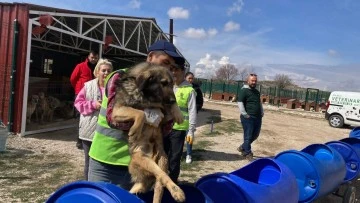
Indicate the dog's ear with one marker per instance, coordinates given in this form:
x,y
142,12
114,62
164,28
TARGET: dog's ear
x,y
143,80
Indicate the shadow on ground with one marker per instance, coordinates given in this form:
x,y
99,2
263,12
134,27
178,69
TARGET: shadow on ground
x,y
69,134
206,116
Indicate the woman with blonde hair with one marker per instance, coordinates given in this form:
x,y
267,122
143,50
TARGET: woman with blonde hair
x,y
88,103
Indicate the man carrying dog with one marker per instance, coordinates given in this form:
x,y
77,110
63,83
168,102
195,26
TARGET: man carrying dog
x,y
109,152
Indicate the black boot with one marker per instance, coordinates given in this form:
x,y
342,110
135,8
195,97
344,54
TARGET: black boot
x,y
79,144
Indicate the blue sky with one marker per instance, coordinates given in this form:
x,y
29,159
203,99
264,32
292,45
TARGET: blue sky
x,y
315,42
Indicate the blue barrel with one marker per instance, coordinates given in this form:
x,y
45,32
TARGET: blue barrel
x,y
319,170
350,156
355,132
264,180
92,192
354,142
192,194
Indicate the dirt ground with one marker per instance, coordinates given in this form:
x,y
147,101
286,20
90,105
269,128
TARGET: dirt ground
x,y
214,149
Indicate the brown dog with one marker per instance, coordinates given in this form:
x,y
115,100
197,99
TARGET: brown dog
x,y
31,106
147,86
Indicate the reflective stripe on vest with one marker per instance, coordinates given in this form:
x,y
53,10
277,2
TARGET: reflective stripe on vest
x,y
182,98
109,145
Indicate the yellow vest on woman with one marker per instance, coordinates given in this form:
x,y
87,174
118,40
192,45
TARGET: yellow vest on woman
x,y
109,145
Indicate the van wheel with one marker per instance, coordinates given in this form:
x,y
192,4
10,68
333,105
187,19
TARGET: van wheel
x,y
336,121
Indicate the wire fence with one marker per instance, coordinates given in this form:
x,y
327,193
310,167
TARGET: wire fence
x,y
210,88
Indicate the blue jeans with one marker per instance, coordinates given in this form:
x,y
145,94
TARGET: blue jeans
x,y
188,149
252,127
102,172
173,146
86,146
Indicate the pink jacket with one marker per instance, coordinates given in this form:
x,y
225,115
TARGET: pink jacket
x,y
85,107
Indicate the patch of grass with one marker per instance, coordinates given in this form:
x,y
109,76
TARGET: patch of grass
x,y
214,119
226,127
229,126
200,145
213,133
34,177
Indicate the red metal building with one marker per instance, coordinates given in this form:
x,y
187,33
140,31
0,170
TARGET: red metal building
x,y
40,56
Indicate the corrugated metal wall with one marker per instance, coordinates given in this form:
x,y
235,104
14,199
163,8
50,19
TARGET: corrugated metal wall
x,y
8,13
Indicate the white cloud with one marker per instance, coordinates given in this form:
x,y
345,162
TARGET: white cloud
x,y
206,66
231,26
196,33
199,33
224,60
135,4
236,7
332,52
178,13
212,32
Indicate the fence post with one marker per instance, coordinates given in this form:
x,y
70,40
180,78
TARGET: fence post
x,y
210,89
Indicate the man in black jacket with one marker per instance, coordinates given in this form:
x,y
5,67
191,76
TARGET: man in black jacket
x,y
189,76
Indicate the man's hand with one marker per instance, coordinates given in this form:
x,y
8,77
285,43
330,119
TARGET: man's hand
x,y
189,138
153,116
247,116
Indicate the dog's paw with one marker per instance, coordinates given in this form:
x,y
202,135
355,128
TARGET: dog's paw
x,y
134,132
138,188
178,117
177,193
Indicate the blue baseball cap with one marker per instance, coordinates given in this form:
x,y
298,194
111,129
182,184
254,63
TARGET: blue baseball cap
x,y
169,49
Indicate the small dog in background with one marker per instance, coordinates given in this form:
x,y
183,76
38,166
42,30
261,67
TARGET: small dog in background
x,y
42,108
53,103
31,107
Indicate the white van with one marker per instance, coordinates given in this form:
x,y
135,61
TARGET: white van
x,y
343,108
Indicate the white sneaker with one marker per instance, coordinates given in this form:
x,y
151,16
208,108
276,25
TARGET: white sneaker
x,y
188,159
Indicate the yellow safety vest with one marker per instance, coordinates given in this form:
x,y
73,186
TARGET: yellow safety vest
x,y
109,145
182,98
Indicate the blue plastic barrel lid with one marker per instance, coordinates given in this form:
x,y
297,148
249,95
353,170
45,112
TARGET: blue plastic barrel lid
x,y
302,166
192,194
350,157
221,187
355,132
90,192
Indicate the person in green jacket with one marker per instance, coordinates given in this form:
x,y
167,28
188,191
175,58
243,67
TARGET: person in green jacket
x,y
251,113
174,142
109,152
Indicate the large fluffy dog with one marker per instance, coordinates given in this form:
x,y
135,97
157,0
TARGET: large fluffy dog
x,y
147,86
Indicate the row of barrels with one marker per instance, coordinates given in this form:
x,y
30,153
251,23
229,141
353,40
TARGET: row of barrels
x,y
290,176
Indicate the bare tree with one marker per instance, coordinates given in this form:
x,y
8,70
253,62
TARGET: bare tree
x,y
243,74
227,72
245,70
282,80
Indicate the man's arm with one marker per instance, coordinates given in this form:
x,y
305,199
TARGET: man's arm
x,y
241,105
192,112
74,76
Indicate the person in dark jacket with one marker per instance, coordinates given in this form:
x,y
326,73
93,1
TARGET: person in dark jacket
x,y
189,76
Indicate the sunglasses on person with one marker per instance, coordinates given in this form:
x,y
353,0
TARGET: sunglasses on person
x,y
253,74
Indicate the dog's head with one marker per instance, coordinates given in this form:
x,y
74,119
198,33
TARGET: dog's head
x,y
41,95
154,82
34,99
53,102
